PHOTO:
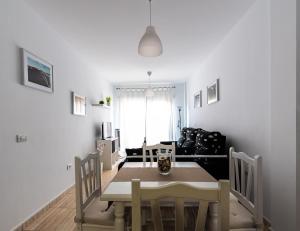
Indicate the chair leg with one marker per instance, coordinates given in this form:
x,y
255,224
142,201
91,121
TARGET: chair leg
x,y
79,226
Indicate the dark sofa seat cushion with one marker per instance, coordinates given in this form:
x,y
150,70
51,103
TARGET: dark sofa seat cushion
x,y
134,151
209,143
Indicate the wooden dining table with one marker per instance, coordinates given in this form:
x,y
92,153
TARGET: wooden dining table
x,y
119,189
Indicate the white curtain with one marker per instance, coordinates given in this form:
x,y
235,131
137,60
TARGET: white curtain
x,y
132,118
159,116
140,116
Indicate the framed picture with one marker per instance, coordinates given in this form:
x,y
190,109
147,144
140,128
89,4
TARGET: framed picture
x,y
79,104
213,92
37,73
198,99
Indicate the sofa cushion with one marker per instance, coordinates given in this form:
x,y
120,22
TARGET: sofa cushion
x,y
180,142
210,142
190,134
201,150
190,138
183,132
188,144
199,136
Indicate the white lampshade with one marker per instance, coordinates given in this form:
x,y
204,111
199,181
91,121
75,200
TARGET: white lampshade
x,y
149,92
150,44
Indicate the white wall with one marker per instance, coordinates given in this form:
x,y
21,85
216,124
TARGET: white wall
x,y
256,67
33,173
298,112
283,114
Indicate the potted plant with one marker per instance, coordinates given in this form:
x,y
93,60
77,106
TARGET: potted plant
x,y
101,102
108,100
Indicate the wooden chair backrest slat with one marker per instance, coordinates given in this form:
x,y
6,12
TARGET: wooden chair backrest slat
x,y
180,191
202,214
150,149
87,176
247,172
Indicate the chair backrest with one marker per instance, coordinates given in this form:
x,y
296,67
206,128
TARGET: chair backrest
x,y
180,191
87,182
158,147
246,182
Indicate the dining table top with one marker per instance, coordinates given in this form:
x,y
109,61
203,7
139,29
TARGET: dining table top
x,y
119,189
154,164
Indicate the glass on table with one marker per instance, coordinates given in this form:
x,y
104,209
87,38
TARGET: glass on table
x,y
164,163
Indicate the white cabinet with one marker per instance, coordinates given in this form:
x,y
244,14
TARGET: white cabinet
x,y
110,155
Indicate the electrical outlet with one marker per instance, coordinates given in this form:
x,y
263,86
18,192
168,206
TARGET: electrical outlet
x,y
69,166
21,139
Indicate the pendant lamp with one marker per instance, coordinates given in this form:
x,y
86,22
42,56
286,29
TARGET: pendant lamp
x,y
150,44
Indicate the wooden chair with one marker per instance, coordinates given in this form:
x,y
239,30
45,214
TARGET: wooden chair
x,y
158,147
90,211
180,191
246,203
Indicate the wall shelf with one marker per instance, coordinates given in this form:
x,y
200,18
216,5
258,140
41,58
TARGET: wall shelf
x,y
100,105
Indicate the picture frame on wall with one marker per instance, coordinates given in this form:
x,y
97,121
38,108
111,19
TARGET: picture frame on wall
x,y
198,99
79,104
37,73
213,92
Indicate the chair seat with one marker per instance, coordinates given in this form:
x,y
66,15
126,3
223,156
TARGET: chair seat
x,y
240,217
95,213
233,198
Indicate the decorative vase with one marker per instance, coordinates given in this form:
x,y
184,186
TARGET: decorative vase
x,y
164,163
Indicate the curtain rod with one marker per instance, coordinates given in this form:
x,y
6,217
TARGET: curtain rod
x,y
142,88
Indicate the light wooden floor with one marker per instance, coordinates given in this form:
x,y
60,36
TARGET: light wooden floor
x,y
60,216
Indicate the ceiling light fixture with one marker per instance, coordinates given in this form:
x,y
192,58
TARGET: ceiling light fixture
x,y
149,91
150,44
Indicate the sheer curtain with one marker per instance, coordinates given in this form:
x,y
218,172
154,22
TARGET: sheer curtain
x,y
159,116
132,118
140,116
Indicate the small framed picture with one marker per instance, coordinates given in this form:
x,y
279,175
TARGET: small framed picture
x,y
213,92
37,73
198,99
79,104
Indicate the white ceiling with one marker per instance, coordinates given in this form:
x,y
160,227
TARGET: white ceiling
x,y
107,33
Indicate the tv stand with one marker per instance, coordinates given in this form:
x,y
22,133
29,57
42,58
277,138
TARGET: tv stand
x,y
110,152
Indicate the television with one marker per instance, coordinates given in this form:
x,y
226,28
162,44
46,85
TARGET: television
x,y
106,130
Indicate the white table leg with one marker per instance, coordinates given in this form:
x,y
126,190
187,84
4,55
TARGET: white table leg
x,y
119,216
213,221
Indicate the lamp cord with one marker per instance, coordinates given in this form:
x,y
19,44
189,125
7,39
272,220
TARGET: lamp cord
x,y
149,74
150,12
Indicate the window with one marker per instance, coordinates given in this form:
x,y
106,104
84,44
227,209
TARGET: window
x,y
140,116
